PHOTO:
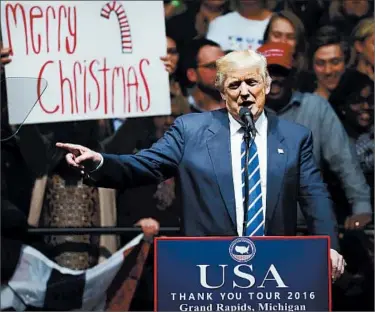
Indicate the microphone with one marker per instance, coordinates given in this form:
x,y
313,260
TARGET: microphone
x,y
247,117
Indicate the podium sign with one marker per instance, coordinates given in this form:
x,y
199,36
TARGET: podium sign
x,y
242,274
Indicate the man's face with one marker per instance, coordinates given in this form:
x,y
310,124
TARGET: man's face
x,y
245,87
329,65
205,73
280,82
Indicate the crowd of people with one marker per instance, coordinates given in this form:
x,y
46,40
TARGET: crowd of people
x,y
325,85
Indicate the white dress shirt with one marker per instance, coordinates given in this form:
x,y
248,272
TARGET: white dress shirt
x,y
236,137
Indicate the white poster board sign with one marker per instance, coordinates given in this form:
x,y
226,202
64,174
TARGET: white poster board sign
x,y
100,59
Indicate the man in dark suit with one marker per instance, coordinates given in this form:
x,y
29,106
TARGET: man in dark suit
x,y
205,152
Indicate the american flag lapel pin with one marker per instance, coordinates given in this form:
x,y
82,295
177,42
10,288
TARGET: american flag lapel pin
x,y
280,151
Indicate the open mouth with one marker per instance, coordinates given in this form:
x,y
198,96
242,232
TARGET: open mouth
x,y
364,116
246,103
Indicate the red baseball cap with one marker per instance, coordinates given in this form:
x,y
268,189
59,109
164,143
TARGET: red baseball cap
x,y
277,53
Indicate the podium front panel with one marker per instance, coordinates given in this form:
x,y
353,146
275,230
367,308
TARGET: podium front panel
x,y
242,274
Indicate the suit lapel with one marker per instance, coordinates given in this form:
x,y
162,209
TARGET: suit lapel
x,y
218,145
276,160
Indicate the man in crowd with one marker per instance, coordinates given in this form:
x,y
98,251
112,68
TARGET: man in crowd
x,y
199,63
329,56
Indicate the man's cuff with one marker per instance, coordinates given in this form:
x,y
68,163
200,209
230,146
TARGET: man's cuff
x,y
100,164
362,207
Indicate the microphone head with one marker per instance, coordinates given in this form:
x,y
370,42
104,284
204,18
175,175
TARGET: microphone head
x,y
247,118
245,112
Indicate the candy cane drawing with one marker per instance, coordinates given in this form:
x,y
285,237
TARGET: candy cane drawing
x,y
126,39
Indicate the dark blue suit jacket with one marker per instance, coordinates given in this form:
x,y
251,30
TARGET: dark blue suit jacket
x,y
197,151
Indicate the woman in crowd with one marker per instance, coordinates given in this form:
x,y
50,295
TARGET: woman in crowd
x,y
286,27
362,56
171,61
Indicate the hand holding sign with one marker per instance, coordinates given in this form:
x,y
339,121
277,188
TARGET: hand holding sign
x,y
150,227
5,59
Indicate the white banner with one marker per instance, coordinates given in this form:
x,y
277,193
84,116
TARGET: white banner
x,y
100,59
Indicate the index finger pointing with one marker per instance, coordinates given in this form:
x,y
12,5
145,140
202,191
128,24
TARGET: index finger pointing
x,y
69,147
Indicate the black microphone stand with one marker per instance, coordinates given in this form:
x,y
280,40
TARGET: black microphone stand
x,y
246,137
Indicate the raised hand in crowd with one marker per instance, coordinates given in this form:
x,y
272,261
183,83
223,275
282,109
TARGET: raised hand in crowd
x,y
5,56
150,227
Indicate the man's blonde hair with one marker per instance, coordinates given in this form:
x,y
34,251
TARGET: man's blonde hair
x,y
239,59
363,30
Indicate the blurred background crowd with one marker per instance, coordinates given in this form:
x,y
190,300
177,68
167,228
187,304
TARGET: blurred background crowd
x,y
328,87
